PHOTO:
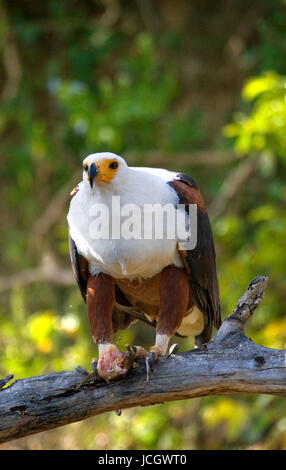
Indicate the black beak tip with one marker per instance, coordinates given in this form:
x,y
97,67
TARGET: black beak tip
x,y
92,173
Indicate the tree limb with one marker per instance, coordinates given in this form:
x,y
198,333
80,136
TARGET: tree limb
x,y
230,363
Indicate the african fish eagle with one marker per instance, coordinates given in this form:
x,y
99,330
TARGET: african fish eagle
x,y
125,279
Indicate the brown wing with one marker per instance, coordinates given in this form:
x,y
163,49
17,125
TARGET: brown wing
x,y
79,266
200,262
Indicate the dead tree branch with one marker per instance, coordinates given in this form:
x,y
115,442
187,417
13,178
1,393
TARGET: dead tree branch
x,y
230,363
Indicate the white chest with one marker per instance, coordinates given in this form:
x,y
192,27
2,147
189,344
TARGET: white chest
x,y
121,254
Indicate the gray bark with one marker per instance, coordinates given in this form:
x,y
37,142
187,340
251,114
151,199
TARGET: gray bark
x,y
230,363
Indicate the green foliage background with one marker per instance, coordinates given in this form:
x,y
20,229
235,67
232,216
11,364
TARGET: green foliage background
x,y
162,85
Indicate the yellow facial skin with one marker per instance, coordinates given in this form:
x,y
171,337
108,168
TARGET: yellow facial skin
x,y
107,169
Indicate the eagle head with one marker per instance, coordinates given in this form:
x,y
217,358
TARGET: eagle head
x,y
103,167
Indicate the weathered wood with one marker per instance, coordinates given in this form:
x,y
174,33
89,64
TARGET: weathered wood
x,y
230,363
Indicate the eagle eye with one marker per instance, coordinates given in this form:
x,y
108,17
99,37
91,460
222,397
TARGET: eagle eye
x,y
113,165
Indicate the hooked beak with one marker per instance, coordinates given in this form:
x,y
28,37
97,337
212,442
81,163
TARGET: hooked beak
x,y
92,174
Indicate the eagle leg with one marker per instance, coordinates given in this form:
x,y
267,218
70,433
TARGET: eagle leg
x,y
100,298
174,299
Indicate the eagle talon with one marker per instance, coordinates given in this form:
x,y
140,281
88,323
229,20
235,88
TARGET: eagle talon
x,y
128,358
82,371
94,365
173,349
147,368
152,359
149,363
88,376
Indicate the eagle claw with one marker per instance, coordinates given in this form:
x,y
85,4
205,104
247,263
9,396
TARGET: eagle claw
x,y
82,371
128,357
94,365
152,360
149,363
173,349
88,376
